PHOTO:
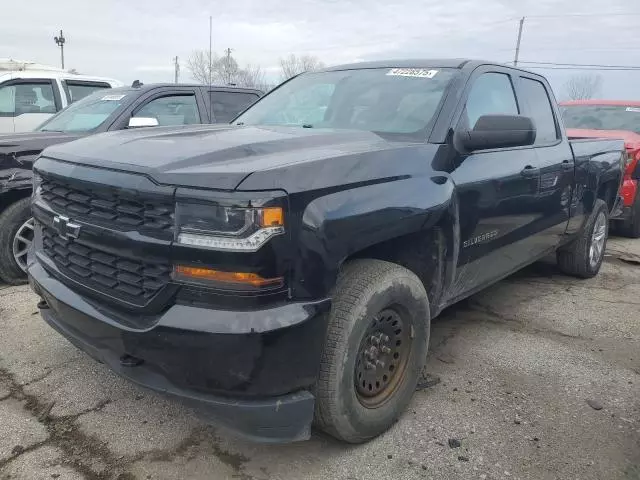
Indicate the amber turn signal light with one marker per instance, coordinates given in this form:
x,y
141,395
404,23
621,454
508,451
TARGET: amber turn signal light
x,y
236,278
271,217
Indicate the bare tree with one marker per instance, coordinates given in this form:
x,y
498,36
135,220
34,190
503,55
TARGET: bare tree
x,y
251,76
292,65
583,87
224,71
198,66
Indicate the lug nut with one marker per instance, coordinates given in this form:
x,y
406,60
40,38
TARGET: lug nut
x,y
369,366
385,338
380,363
375,340
386,350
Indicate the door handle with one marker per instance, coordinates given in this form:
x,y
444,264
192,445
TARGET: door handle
x,y
567,165
530,171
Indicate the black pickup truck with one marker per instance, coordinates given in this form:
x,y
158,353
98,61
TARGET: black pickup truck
x,y
285,269
116,109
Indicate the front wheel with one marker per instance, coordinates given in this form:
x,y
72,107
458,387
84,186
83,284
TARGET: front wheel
x,y
375,350
583,257
16,235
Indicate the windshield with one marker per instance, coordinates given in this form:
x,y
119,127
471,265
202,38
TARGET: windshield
x,y
384,100
86,114
602,117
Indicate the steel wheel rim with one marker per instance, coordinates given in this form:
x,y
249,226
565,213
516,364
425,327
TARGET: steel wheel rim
x,y
21,243
382,358
598,238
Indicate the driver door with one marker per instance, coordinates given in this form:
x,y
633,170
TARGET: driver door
x,y
497,192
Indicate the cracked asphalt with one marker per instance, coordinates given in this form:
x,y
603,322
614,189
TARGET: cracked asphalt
x,y
521,367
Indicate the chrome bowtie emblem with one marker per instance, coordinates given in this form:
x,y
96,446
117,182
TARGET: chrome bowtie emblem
x,y
65,228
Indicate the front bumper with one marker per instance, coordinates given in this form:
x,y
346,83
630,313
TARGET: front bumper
x,y
245,371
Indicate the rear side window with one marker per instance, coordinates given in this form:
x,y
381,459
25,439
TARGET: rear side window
x,y
540,110
491,94
21,98
227,105
172,110
79,90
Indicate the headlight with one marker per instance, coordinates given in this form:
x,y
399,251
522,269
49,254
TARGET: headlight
x,y
227,228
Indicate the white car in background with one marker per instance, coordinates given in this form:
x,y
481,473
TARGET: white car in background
x,y
31,93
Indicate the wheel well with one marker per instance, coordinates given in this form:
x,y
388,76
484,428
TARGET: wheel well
x,y
607,192
12,196
421,252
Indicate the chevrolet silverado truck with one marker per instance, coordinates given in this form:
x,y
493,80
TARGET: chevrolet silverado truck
x,y
612,119
116,109
283,270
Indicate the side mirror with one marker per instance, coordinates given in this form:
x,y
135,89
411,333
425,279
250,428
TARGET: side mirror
x,y
137,122
499,131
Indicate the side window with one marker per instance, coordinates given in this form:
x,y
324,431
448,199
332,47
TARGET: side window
x,y
78,90
539,109
7,101
22,98
227,105
491,94
172,110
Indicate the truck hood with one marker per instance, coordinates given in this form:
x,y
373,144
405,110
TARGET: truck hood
x,y
30,143
219,157
631,139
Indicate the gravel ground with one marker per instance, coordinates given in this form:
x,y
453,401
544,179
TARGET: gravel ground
x,y
539,378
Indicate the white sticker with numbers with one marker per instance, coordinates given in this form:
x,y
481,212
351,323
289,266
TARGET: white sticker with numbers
x,y
113,98
633,109
412,72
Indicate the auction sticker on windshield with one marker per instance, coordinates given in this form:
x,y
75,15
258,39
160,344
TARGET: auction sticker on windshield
x,y
412,72
113,98
633,109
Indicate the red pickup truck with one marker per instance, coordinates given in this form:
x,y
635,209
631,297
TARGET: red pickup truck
x,y
612,119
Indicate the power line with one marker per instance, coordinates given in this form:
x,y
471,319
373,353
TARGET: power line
x,y
621,69
594,65
563,15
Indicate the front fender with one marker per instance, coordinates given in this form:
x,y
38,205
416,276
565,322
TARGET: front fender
x,y
338,225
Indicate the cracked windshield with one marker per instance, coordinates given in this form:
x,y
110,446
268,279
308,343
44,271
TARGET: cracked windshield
x,y
320,240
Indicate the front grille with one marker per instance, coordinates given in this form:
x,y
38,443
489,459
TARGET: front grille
x,y
132,281
109,207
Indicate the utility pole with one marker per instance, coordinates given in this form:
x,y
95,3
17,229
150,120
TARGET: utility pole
x,y
228,67
210,49
60,42
176,69
515,60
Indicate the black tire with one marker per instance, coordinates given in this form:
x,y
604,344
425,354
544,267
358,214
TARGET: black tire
x,y
631,227
11,219
364,289
574,259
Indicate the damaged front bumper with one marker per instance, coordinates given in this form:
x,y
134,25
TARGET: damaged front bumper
x,y
255,383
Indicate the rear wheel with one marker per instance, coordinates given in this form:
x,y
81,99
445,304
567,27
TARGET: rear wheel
x,y
16,235
375,350
583,257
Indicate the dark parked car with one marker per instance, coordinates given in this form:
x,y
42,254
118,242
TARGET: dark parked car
x,y
115,109
286,268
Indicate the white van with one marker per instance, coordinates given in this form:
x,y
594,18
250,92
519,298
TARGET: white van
x,y
30,93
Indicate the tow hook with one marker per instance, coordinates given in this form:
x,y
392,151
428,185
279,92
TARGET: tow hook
x,y
130,361
42,304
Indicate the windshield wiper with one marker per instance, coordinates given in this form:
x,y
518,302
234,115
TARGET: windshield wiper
x,y
240,123
307,125
49,130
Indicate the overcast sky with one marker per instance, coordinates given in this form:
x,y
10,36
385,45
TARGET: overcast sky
x,y
131,40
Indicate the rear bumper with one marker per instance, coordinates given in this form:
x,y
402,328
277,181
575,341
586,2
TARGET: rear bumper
x,y
255,384
618,209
